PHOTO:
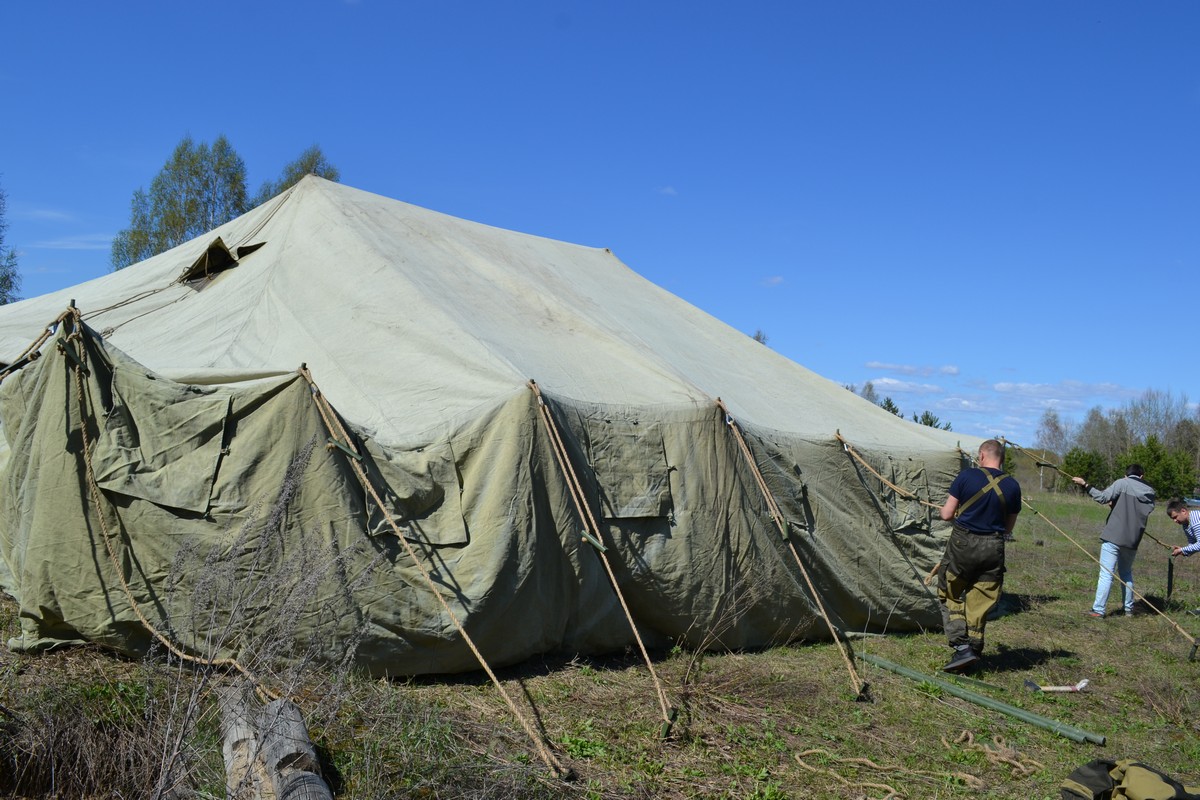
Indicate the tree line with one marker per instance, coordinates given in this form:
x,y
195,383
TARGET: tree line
x,y
200,187
926,417
1157,430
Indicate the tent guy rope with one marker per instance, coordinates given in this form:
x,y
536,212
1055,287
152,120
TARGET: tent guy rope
x,y
857,683
1042,463
33,351
77,362
597,540
907,495
341,440
1136,593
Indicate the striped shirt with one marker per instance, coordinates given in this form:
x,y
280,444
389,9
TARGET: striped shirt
x,y
1192,531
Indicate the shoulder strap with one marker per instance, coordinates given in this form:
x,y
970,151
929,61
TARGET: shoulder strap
x,y
992,485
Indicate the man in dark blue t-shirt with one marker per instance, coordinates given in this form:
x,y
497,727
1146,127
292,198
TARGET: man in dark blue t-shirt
x,y
983,504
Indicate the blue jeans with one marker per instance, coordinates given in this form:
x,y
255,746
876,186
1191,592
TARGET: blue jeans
x,y
1119,560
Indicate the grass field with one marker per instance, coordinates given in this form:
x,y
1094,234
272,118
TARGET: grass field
x,y
781,723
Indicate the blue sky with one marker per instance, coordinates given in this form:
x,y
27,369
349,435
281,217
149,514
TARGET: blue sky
x,y
985,208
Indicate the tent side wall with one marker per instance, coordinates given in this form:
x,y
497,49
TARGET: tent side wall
x,y
223,519
700,555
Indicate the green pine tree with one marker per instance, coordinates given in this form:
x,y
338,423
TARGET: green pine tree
x,y
10,278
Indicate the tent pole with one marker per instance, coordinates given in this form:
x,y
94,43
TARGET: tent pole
x,y
341,441
594,537
1062,729
856,683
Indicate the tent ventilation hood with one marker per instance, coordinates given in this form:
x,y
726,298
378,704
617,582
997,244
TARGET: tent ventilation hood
x,y
214,260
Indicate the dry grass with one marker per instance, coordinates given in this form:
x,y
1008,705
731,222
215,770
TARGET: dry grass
x,y
772,724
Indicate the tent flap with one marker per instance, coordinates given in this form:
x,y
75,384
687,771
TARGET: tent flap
x,y
162,441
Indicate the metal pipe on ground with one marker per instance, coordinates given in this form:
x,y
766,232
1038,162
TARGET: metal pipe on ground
x,y
1061,728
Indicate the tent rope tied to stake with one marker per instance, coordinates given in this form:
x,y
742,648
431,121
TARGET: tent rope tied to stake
x,y
341,440
78,364
594,536
1136,593
856,683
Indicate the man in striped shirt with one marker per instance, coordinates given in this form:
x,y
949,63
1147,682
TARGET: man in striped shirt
x,y
1189,520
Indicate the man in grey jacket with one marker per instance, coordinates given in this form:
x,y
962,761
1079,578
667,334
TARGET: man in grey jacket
x,y
1130,500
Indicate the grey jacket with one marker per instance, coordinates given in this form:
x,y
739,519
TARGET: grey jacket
x,y
1132,501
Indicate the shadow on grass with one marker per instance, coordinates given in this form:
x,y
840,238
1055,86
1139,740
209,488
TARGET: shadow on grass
x,y
1170,607
539,666
1022,659
1011,604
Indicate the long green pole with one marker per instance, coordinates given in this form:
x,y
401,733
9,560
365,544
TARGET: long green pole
x,y
1062,729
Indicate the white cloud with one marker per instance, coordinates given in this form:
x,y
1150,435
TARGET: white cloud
x,y
962,404
903,369
1010,427
911,369
1060,404
887,386
774,280
1065,389
669,191
46,215
87,241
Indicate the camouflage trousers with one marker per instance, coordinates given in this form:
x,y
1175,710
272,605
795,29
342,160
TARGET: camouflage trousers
x,y
970,577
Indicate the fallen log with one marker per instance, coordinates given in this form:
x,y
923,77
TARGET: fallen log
x,y
245,778
288,754
268,754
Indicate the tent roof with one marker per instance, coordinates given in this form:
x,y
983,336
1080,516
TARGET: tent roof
x,y
412,320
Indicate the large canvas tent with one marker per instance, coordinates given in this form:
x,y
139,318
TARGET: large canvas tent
x,y
166,467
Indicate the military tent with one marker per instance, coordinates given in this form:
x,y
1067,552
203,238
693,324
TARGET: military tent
x,y
167,466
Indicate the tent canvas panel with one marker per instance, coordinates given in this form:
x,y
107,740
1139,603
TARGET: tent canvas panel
x,y
289,546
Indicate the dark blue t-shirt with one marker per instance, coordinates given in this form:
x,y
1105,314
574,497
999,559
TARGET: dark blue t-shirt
x,y
987,514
